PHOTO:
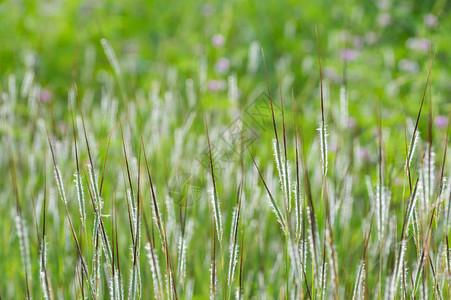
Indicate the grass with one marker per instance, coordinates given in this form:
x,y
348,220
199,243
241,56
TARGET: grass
x,y
192,180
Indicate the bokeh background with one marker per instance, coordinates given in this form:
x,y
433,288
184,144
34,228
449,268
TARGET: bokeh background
x,y
382,41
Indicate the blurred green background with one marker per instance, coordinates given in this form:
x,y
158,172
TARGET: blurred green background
x,y
388,40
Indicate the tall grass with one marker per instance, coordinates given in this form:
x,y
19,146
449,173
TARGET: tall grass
x,y
326,248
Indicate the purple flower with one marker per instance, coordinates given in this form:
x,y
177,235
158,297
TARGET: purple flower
x,y
349,54
430,20
332,74
408,66
222,65
418,44
384,19
363,153
351,123
441,121
216,85
45,96
218,40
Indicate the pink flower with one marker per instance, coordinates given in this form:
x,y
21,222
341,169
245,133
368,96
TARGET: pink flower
x,y
216,85
418,44
363,153
430,20
222,65
332,74
408,66
349,54
45,96
218,40
441,121
351,123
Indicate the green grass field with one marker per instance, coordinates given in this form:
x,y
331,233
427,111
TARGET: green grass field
x,y
224,150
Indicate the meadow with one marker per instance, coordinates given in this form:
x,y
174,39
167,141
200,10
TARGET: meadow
x,y
225,150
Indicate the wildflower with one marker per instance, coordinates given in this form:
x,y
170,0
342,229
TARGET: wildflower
x,y
222,65
430,20
349,54
351,123
217,85
363,153
441,121
408,66
332,74
45,96
418,44
218,40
